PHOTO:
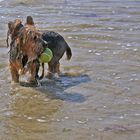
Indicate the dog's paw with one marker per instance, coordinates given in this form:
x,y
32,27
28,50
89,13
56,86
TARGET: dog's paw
x,y
56,76
14,83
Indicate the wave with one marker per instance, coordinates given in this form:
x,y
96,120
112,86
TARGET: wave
x,y
20,2
27,2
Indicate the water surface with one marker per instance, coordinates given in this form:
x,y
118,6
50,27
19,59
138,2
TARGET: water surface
x,y
97,96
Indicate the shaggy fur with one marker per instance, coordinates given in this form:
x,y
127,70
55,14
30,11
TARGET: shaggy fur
x,y
26,46
58,46
25,49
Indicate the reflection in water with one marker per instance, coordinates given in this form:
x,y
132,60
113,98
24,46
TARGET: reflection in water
x,y
32,110
29,114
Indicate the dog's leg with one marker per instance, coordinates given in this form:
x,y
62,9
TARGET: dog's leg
x,y
57,68
34,67
50,71
14,73
42,75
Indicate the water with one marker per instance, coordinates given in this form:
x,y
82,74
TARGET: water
x,y
97,96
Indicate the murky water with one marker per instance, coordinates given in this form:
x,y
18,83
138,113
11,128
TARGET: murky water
x,y
98,95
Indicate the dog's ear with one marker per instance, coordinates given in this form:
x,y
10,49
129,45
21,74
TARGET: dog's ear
x,y
17,26
29,20
10,23
10,26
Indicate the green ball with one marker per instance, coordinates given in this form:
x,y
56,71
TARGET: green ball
x,y
46,56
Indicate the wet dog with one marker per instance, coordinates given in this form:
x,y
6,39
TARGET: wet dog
x,y
58,46
25,48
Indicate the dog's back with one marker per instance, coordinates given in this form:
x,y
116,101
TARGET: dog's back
x,y
57,44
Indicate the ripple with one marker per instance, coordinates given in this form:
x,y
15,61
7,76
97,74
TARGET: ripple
x,y
118,128
41,120
102,76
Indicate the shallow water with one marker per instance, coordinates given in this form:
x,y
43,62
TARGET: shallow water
x,y
97,96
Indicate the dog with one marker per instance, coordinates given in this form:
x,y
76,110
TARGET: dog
x,y
25,48
58,46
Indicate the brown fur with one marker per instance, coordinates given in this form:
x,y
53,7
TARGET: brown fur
x,y
25,49
58,46
28,44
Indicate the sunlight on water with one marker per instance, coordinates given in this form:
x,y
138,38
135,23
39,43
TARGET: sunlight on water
x,y
97,93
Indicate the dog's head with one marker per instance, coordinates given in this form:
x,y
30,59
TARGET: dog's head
x,y
21,36
31,45
14,28
31,42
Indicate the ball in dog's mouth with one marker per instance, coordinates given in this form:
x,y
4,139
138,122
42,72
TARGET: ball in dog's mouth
x,y
46,56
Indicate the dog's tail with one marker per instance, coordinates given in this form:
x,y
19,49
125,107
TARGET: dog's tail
x,y
68,52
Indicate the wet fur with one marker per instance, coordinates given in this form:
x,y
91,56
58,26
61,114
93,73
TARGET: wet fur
x,y
55,42
25,49
58,46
